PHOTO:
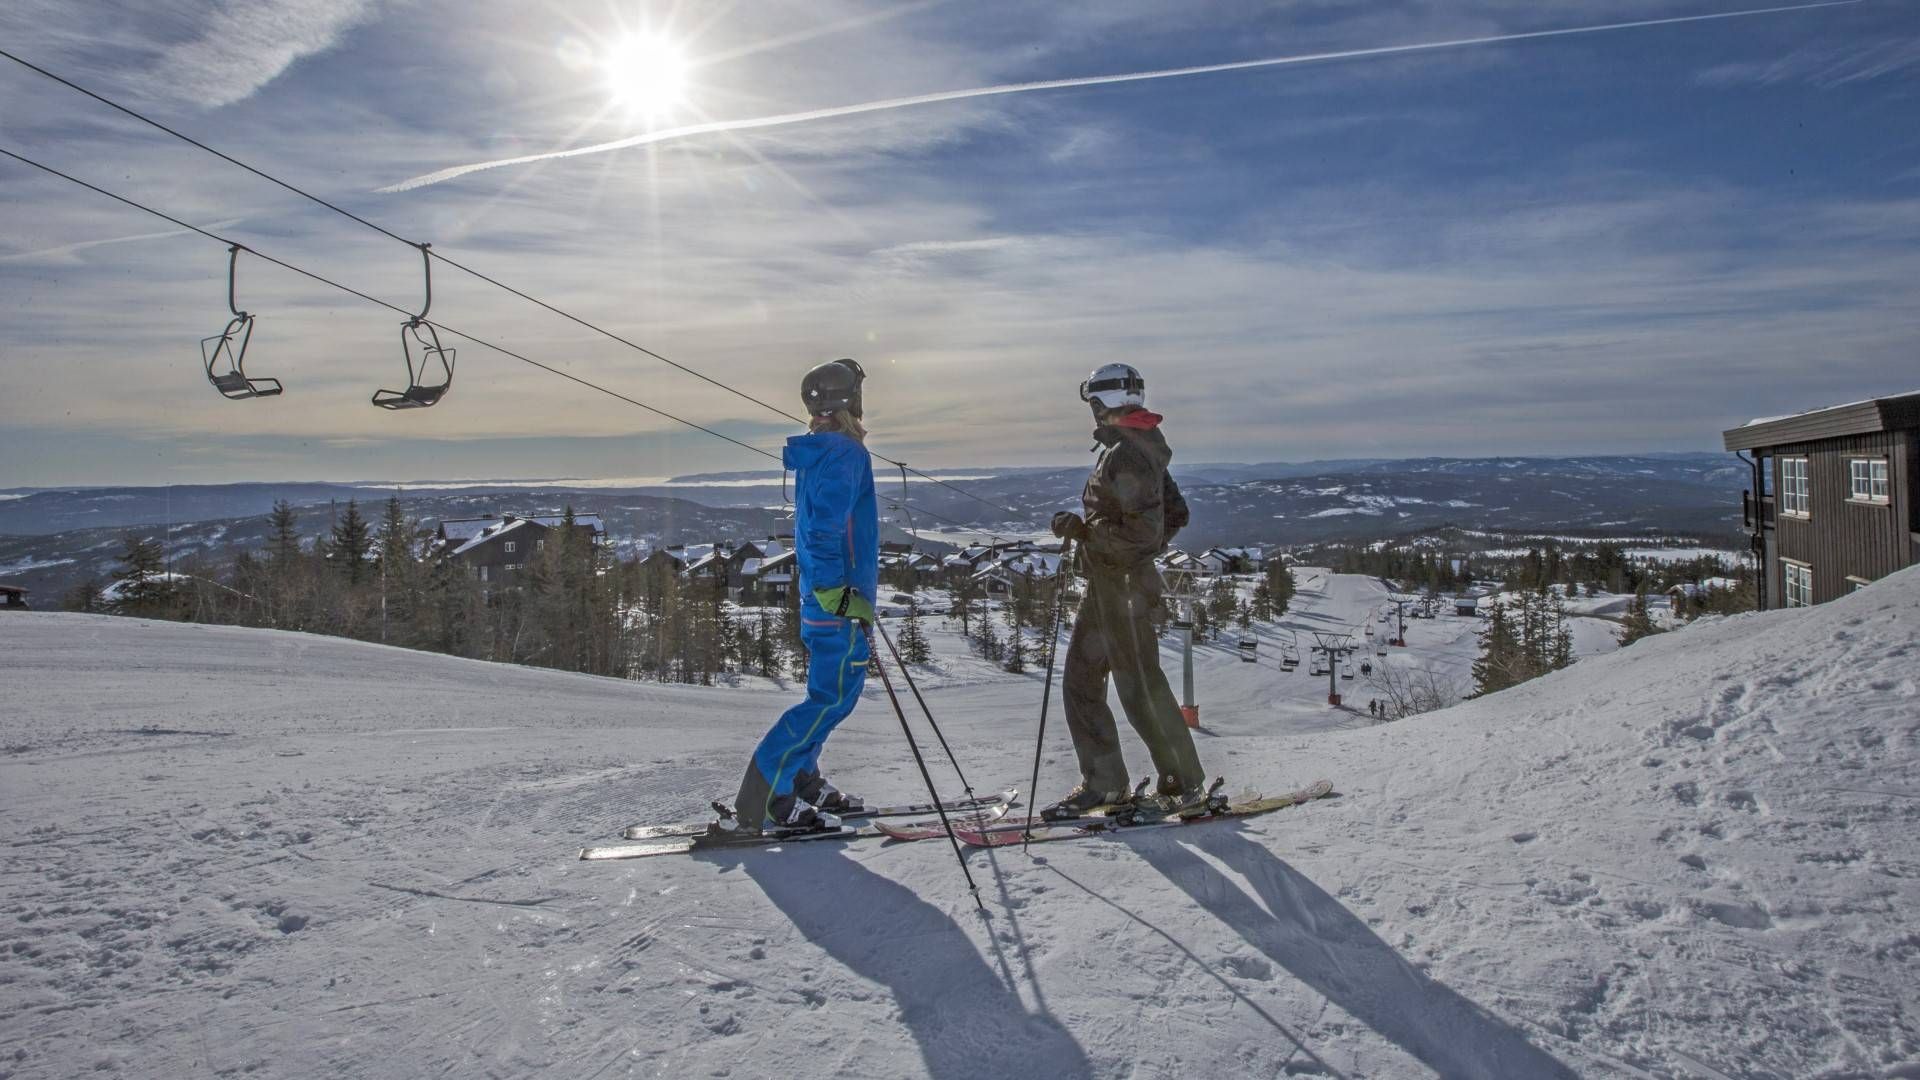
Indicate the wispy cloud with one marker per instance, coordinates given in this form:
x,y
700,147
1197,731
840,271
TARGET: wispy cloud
x,y
244,46
67,252
1825,66
687,131
204,53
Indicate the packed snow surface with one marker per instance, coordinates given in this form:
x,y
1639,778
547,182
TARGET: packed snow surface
x,y
246,853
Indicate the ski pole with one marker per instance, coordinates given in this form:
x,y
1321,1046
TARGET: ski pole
x,y
1046,690
908,675
873,656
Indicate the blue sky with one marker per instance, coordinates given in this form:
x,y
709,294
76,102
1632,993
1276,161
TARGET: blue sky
x,y
1613,242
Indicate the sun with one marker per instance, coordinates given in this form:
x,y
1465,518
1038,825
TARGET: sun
x,y
645,73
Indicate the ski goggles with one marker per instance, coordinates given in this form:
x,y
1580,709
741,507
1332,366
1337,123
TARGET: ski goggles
x,y
1132,384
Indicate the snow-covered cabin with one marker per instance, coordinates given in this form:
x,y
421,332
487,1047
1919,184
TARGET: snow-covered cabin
x,y
1236,560
1467,603
769,580
14,597
495,549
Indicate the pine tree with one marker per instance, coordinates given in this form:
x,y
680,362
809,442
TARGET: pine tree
x,y
1280,582
144,588
914,648
1499,650
283,545
351,541
84,597
766,650
1639,621
399,573
1223,601
1560,647
988,640
1016,651
1263,600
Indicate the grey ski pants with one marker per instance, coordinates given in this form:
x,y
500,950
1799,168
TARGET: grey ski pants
x,y
1113,635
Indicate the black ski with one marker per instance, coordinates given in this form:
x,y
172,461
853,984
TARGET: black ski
x,y
699,828
708,840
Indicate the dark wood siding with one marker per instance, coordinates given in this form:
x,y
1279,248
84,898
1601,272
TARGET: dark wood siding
x,y
1841,538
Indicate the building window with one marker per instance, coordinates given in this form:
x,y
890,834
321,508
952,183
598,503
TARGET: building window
x,y
1793,486
540,544
508,546
483,573
1799,579
1869,479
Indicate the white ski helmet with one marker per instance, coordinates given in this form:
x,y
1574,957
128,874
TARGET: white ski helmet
x,y
1114,385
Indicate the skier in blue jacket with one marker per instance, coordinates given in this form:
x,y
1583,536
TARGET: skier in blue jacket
x,y
837,539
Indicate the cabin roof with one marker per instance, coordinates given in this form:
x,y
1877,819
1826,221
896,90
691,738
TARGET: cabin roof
x,y
1896,413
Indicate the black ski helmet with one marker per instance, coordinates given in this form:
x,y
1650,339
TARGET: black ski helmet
x,y
831,387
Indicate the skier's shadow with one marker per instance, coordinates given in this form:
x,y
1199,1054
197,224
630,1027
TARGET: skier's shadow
x,y
968,1021
1331,950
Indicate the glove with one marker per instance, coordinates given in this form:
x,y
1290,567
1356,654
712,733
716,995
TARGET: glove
x,y
845,602
1067,525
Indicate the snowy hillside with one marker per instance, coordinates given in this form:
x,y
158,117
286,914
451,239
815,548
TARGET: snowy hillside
x,y
237,852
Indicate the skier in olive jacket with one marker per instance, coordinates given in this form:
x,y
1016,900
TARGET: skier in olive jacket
x,y
1133,508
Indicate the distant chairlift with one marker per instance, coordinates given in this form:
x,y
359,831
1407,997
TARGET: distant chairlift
x,y
1346,670
1249,649
420,344
228,349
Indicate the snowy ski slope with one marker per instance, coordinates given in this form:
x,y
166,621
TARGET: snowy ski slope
x,y
234,852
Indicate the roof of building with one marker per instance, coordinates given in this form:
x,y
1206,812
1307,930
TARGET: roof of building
x,y
493,532
709,559
1896,413
584,521
461,530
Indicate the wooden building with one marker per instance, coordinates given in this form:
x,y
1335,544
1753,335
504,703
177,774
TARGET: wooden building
x,y
495,550
13,596
1835,497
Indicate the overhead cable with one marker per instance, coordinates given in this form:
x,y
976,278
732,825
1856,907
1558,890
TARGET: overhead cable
x,y
484,343
382,230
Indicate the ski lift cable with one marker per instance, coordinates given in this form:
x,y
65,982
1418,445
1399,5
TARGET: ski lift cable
x,y
351,291
495,282
484,343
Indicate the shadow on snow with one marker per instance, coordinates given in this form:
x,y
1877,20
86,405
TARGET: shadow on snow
x,y
1316,939
968,1021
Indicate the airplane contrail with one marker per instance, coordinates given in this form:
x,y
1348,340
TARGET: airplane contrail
x,y
67,251
784,119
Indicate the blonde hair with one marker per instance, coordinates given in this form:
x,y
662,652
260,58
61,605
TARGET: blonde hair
x,y
841,421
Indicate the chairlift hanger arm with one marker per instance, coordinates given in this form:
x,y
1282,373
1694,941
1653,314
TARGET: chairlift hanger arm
x,y
233,264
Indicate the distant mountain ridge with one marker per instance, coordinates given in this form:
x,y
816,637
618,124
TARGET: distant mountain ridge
x,y
53,538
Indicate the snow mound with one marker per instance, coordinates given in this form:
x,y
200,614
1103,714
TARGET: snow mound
x,y
1701,848
269,854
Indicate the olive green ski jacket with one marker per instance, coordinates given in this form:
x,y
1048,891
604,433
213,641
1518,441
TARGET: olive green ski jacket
x,y
1132,505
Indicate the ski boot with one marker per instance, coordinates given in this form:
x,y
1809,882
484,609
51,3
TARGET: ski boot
x,y
817,791
1196,802
1081,801
786,814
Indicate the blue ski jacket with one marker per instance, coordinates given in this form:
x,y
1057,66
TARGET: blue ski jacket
x,y
836,520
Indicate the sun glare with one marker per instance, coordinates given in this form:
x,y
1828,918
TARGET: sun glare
x,y
646,73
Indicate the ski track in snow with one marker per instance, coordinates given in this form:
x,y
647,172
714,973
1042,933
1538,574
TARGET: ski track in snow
x,y
246,853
